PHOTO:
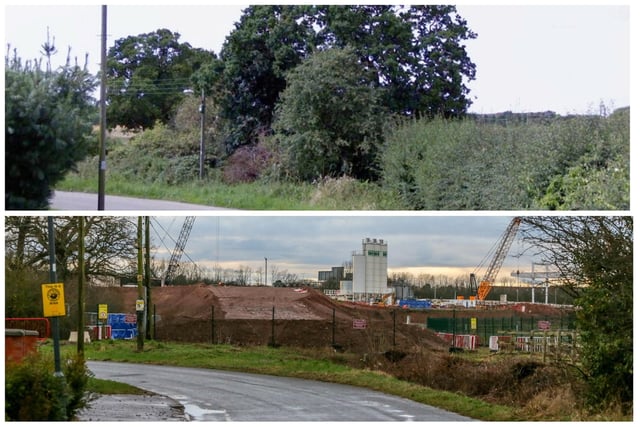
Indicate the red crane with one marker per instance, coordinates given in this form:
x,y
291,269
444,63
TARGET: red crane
x,y
489,277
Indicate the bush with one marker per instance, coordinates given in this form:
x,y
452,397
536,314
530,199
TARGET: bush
x,y
34,393
48,118
246,164
563,163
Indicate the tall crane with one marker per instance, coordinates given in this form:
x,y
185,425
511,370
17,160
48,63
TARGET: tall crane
x,y
489,277
178,250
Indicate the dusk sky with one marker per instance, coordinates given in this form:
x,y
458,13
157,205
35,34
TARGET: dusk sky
x,y
305,244
567,59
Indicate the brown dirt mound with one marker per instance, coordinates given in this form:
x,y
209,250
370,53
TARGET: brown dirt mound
x,y
287,316
243,316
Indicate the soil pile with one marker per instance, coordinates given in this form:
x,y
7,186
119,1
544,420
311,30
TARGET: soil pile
x,y
303,317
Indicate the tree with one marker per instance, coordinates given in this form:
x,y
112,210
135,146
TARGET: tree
x,y
266,43
109,244
147,75
416,51
415,54
329,121
595,257
48,119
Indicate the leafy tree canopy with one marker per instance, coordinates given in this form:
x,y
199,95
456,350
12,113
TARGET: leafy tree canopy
x,y
147,75
415,53
48,118
329,122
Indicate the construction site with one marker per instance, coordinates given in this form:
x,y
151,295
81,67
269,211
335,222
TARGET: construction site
x,y
364,315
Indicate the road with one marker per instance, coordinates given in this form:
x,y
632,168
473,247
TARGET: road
x,y
73,201
210,395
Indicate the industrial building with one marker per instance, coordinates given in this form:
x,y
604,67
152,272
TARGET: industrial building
x,y
369,273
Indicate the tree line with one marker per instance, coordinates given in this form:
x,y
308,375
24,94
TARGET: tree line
x,y
357,65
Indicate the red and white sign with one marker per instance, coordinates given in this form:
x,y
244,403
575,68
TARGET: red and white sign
x,y
359,323
544,325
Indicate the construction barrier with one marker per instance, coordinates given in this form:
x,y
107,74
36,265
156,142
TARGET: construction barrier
x,y
39,324
123,326
102,332
414,304
18,343
467,342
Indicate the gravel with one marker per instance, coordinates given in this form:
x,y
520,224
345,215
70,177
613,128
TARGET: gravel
x,y
129,407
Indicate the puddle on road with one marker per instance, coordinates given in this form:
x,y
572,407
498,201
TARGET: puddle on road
x,y
196,413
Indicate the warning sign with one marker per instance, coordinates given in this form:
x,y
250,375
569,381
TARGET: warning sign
x,y
359,323
53,299
103,313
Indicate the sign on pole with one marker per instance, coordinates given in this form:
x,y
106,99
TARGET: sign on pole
x,y
139,305
53,299
103,313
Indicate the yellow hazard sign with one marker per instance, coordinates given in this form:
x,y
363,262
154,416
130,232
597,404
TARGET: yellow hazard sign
x,y
103,313
53,299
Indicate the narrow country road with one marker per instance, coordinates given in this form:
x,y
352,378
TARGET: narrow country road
x,y
210,395
74,201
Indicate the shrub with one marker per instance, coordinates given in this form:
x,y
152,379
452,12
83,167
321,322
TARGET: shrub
x,y
34,393
246,164
565,163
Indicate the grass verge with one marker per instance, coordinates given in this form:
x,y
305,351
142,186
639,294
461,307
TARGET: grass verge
x,y
321,365
331,194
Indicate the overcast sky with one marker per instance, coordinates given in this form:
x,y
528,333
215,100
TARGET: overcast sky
x,y
306,244
567,59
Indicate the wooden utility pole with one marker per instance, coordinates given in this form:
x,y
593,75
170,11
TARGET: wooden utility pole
x,y
202,110
102,166
140,301
147,277
81,286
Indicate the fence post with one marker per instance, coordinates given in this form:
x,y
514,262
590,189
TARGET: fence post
x,y
333,329
273,326
213,325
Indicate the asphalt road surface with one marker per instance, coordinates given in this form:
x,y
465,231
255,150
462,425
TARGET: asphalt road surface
x,y
210,395
72,201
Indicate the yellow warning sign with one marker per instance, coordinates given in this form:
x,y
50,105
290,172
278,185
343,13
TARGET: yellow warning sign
x,y
103,313
53,299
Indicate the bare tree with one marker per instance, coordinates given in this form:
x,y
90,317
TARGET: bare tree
x,y
110,245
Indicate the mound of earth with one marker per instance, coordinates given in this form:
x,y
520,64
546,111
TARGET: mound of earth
x,y
291,316
267,315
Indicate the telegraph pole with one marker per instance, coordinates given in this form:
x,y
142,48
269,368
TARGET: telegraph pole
x,y
202,108
140,300
81,286
147,277
102,167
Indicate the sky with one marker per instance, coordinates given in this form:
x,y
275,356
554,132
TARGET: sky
x,y
306,244
568,59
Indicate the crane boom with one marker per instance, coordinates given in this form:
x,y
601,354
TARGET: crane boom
x,y
498,258
179,248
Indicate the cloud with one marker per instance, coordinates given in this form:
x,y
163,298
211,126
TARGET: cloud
x,y
306,244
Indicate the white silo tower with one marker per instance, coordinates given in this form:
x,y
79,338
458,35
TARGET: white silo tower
x,y
370,269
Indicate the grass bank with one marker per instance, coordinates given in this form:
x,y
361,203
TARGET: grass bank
x,y
331,194
322,365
